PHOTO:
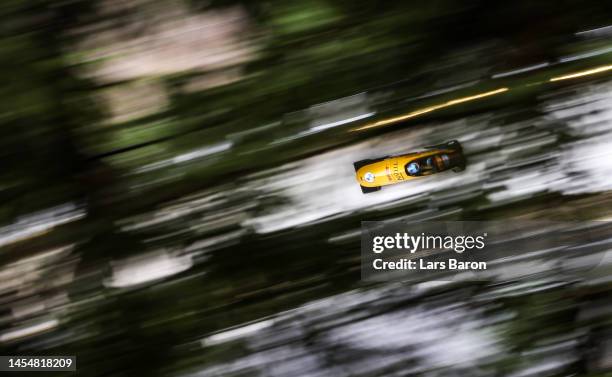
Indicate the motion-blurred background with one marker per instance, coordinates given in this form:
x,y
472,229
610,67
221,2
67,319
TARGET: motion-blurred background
x,y
178,196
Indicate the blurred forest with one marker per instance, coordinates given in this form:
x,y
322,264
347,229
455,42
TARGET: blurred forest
x,y
175,170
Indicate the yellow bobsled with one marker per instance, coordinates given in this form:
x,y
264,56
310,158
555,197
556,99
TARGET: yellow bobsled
x,y
373,174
